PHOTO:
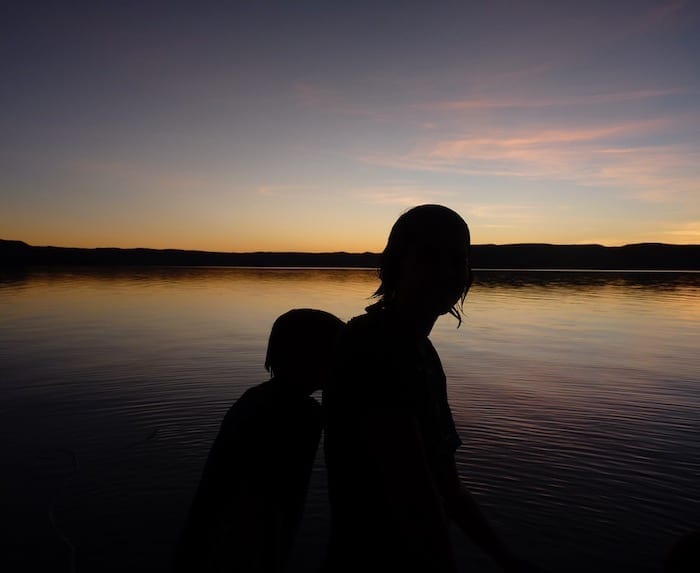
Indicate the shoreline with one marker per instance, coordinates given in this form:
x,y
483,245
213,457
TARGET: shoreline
x,y
643,257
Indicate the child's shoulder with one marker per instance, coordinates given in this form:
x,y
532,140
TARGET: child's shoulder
x,y
274,399
366,341
368,324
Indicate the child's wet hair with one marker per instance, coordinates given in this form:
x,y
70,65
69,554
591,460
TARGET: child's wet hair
x,y
301,338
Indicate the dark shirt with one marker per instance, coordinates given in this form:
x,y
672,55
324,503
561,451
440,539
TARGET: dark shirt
x,y
381,370
248,506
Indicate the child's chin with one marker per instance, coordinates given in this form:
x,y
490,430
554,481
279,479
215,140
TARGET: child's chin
x,y
444,308
448,304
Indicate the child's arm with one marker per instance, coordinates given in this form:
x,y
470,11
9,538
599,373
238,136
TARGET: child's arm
x,y
462,508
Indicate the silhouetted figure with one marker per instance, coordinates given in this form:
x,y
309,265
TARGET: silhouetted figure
x,y
247,508
684,555
390,437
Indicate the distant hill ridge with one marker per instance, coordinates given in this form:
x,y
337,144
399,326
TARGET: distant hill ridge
x,y
642,256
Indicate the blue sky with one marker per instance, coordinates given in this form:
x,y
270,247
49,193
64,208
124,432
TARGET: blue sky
x,y
312,125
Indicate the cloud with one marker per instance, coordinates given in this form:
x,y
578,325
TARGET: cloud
x,y
597,155
320,98
529,145
662,16
404,194
418,161
313,95
280,190
668,173
143,178
485,103
495,211
688,231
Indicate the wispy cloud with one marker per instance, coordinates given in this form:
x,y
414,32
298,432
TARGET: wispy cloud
x,y
313,95
323,99
529,144
689,232
655,174
280,190
662,16
595,155
404,194
499,211
142,177
498,102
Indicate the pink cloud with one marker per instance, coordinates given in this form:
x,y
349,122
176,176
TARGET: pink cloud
x,y
578,100
312,95
587,156
664,15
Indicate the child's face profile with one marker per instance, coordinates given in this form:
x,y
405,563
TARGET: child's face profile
x,y
433,274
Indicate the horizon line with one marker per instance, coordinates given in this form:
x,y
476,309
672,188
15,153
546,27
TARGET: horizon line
x,y
292,252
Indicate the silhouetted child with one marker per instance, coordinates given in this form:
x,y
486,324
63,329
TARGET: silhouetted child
x,y
248,506
390,438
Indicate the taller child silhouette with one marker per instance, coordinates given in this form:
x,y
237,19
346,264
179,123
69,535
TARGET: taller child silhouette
x,y
390,437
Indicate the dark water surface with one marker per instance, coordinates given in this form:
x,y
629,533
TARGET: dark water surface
x,y
576,395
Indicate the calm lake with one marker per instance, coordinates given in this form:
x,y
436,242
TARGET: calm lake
x,y
576,394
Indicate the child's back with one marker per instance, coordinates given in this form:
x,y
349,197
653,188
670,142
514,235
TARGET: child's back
x,y
251,496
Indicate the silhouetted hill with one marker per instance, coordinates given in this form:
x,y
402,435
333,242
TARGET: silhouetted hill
x,y
644,256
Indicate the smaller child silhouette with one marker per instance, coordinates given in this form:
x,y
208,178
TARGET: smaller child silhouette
x,y
248,506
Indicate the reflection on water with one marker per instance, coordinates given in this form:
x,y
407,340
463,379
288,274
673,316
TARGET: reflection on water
x,y
576,395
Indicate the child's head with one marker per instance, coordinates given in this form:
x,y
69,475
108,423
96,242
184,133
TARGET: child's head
x,y
426,260
300,346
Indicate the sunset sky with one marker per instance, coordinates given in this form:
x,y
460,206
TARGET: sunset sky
x,y
311,125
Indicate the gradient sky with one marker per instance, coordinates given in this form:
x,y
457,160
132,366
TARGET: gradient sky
x,y
310,125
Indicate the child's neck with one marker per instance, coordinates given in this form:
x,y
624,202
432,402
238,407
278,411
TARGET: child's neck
x,y
415,320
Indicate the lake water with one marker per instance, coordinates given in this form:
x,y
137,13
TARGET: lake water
x,y
577,396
